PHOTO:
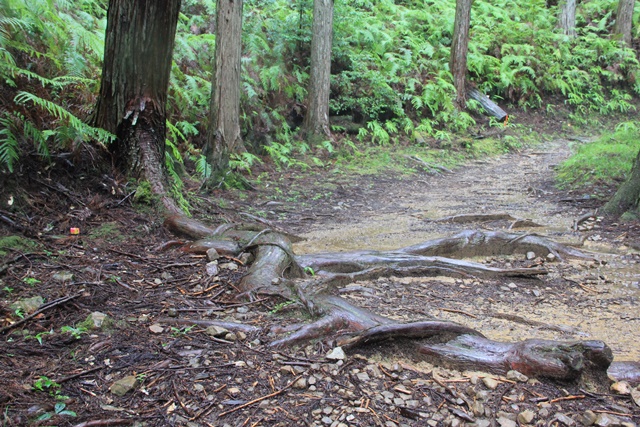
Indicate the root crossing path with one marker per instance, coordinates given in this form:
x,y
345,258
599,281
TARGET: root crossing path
x,y
577,300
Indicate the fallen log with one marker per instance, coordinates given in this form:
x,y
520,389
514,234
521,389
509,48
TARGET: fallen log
x,y
489,106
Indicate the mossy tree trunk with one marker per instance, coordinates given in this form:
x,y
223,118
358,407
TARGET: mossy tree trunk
x,y
567,18
224,138
627,198
624,20
459,48
135,78
316,121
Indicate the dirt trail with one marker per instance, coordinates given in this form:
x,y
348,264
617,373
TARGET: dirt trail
x,y
577,300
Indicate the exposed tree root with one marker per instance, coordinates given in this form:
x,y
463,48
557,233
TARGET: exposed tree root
x,y
314,280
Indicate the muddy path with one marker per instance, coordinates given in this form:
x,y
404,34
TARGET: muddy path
x,y
576,300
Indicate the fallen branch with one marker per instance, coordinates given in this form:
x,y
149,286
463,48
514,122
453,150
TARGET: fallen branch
x,y
259,399
41,309
107,422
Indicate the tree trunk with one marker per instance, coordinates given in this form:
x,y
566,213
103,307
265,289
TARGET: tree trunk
x,y
316,121
624,20
567,19
135,78
223,138
459,48
627,198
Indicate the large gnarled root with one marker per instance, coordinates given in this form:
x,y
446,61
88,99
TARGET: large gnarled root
x,y
440,341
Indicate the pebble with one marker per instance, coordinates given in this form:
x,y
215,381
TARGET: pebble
x,y
525,417
517,376
506,422
490,383
621,387
565,419
336,354
212,254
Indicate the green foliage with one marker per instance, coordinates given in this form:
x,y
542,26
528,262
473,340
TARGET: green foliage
x,y
603,162
75,331
50,53
389,74
58,409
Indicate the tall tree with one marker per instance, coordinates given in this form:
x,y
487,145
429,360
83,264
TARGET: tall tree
x,y
459,48
316,120
567,18
627,198
224,136
624,20
135,79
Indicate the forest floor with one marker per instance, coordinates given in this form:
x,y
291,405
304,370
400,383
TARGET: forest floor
x,y
69,365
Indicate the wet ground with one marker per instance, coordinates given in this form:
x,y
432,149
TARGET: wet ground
x,y
182,375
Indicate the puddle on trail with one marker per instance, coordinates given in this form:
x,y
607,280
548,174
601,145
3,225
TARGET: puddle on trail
x,y
595,301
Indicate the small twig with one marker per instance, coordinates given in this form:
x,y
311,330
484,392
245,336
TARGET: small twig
x,y
574,397
452,310
42,308
79,374
107,422
259,399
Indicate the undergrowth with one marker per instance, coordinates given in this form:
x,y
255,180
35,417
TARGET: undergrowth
x,y
602,162
390,76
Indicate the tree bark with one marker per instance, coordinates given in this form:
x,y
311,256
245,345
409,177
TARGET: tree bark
x,y
316,121
624,20
627,198
224,138
135,79
567,18
459,48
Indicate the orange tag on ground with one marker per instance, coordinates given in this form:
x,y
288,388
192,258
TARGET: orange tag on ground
x,y
74,230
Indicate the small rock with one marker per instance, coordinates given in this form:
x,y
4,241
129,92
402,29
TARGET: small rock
x,y
525,417
512,285
172,312
588,418
216,331
490,383
607,420
97,319
363,376
233,391
327,421
28,305
245,257
212,254
517,376
635,395
565,419
301,383
123,386
551,257
212,268
482,422
506,422
231,337
63,276
156,328
229,266
621,387
241,335
531,255
336,354
537,293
